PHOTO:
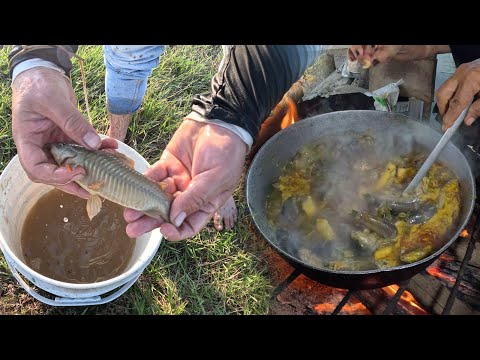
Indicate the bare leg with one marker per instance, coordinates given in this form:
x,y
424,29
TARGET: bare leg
x,y
128,68
226,215
118,126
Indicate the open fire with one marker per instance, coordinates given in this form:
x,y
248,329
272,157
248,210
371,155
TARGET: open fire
x,y
326,309
282,116
292,114
408,300
436,269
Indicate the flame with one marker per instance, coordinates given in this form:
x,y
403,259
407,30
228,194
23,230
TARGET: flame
x,y
391,290
292,114
323,309
464,233
435,271
406,296
445,257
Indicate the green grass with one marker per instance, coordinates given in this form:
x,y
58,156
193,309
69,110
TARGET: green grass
x,y
212,273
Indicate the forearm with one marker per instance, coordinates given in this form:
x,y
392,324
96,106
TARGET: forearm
x,y
419,52
251,81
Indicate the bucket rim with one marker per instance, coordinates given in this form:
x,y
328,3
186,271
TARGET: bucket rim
x,y
145,258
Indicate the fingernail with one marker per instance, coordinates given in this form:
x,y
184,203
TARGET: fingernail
x,y
92,140
163,234
179,219
470,120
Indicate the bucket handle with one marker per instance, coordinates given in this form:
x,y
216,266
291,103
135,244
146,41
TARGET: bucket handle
x,y
61,301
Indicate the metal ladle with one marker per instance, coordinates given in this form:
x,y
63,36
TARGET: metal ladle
x,y
436,151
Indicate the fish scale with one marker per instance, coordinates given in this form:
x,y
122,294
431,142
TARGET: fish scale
x,y
116,181
100,168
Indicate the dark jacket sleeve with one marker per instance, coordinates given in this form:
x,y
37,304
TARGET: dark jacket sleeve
x,y
465,53
251,80
59,55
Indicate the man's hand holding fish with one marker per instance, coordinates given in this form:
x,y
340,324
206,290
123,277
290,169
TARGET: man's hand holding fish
x,y
202,165
44,110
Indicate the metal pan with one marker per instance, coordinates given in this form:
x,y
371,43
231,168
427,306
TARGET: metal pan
x,y
268,162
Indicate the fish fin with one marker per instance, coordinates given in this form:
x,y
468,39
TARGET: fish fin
x,y
68,167
95,186
162,185
94,205
125,159
155,213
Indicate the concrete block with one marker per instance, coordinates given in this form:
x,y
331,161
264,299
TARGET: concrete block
x,y
339,53
418,76
319,71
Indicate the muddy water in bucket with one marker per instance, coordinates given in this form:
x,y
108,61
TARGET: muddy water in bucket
x,y
60,242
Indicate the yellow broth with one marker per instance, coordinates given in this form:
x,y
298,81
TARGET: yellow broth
x,y
315,204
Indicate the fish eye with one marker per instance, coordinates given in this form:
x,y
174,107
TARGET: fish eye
x,y
61,144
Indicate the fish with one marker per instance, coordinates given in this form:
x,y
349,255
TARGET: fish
x,y
380,227
369,240
424,214
397,205
111,175
365,240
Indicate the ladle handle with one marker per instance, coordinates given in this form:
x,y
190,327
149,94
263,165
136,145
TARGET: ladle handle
x,y
436,152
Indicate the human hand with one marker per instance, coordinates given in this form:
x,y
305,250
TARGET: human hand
x,y
455,94
373,54
201,166
44,111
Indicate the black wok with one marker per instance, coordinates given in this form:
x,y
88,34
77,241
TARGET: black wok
x,y
266,166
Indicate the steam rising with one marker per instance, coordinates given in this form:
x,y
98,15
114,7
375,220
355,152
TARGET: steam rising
x,y
340,165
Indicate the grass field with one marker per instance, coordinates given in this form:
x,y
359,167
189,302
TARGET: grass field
x,y
212,273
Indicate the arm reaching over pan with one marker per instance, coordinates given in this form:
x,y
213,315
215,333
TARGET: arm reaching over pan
x,y
457,91
369,55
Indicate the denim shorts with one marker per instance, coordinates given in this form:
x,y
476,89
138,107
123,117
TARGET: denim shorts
x,y
128,68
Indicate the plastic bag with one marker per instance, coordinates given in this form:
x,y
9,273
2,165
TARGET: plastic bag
x,y
386,97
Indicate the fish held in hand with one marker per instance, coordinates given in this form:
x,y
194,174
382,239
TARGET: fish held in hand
x,y
111,175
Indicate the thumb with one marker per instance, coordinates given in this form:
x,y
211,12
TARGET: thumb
x,y
199,195
74,124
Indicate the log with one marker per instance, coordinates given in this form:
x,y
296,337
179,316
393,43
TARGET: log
x,y
433,295
377,300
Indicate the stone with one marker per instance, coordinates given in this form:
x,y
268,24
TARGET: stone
x,y
418,76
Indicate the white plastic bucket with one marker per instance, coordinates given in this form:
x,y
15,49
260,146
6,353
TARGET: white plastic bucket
x,y
18,195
